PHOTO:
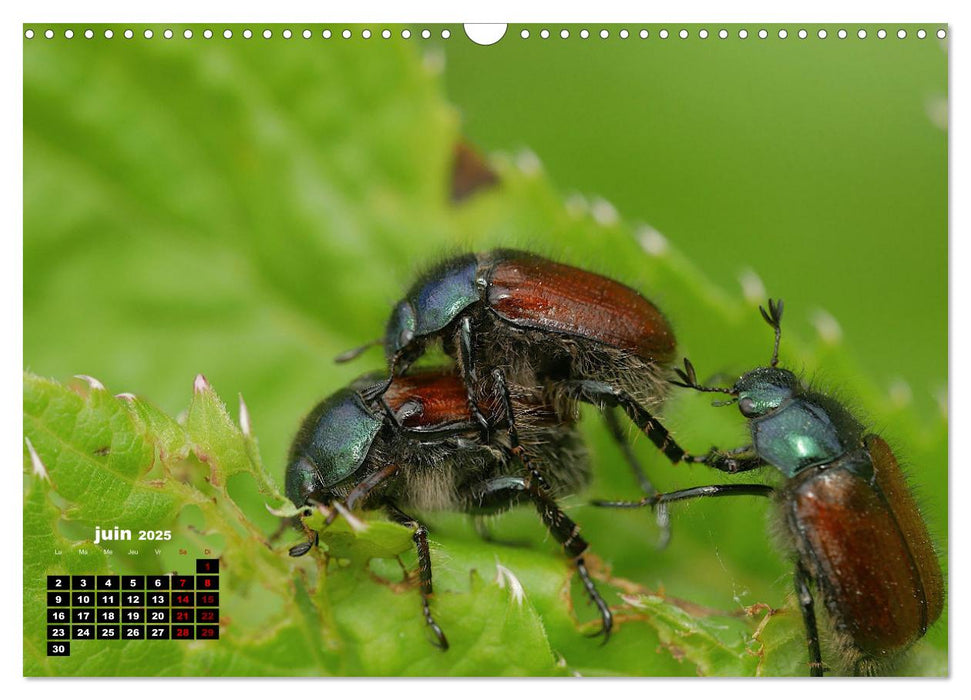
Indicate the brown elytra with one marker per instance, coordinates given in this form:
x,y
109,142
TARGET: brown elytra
x,y
869,551
436,400
530,291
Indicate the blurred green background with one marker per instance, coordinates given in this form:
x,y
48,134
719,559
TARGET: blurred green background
x,y
248,208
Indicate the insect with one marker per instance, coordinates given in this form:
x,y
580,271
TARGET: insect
x,y
417,446
511,314
855,531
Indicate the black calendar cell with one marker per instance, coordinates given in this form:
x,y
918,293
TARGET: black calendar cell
x,y
109,615
209,616
82,616
109,583
183,632
158,616
82,583
82,599
58,616
133,583
133,632
157,600
58,600
58,648
182,583
207,632
135,600
58,631
157,632
82,631
183,599
182,614
107,599
207,566
132,616
158,583
109,632
207,583
58,583
207,599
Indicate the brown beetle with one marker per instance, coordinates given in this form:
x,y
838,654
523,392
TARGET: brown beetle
x,y
418,446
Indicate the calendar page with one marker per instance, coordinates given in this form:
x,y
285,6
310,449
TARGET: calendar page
x,y
548,349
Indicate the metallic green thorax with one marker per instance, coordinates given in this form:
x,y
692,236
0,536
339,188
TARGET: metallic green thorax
x,y
433,303
332,444
790,430
796,436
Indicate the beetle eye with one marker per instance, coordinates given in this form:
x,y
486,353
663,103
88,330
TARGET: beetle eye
x,y
747,406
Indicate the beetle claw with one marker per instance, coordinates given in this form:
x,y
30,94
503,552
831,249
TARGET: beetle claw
x,y
298,550
440,642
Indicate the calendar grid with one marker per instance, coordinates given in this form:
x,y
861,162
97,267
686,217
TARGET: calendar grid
x,y
133,607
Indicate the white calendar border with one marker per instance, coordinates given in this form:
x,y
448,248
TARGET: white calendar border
x,y
818,11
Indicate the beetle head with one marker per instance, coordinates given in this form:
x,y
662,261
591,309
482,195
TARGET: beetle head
x,y
400,331
763,390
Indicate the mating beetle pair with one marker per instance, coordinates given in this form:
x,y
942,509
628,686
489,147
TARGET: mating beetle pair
x,y
512,320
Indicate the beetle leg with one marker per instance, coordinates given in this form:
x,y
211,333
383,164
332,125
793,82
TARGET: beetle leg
x,y
420,538
567,533
661,514
471,376
805,597
713,490
496,494
517,449
557,522
397,366
507,490
740,459
617,433
363,489
604,395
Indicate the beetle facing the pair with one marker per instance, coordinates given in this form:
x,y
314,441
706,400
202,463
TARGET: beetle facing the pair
x,y
851,522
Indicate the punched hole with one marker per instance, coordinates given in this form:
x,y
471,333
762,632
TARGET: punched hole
x,y
487,34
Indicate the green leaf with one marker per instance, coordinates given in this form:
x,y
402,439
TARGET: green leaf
x,y
249,210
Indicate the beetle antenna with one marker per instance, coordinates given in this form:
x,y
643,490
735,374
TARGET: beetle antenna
x,y
356,352
689,380
774,318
